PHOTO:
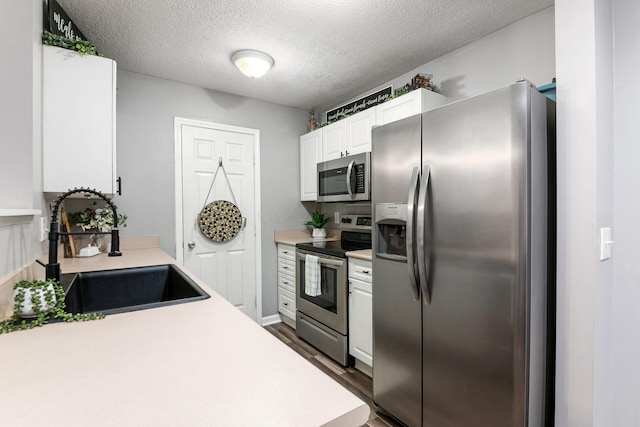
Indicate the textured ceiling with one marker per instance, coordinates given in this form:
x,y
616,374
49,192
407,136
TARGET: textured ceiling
x,y
325,51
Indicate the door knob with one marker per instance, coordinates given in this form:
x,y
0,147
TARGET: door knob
x,y
191,245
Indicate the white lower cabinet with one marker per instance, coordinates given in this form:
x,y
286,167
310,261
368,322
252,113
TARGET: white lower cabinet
x,y
287,284
361,313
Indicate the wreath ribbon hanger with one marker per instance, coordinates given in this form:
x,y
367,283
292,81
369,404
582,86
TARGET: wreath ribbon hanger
x,y
220,220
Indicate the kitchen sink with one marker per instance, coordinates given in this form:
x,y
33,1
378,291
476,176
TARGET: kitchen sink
x,y
129,289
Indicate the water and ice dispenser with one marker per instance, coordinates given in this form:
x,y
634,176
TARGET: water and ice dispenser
x,y
391,229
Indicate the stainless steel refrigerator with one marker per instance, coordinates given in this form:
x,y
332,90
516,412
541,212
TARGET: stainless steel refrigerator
x,y
462,198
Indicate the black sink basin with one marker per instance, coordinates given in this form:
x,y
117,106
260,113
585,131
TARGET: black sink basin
x,y
129,289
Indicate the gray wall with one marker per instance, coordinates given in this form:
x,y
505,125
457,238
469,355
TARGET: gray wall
x,y
523,49
21,120
626,202
146,107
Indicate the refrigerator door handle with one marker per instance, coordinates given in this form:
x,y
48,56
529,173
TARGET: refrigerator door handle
x,y
420,230
411,203
349,172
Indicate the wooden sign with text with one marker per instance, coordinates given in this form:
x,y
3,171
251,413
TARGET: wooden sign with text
x,y
60,24
360,104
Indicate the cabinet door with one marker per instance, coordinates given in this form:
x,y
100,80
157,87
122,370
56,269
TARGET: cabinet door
x,y
415,102
359,131
361,321
287,303
360,269
310,156
398,108
334,141
78,121
287,252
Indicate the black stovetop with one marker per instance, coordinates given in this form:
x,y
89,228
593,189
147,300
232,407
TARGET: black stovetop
x,y
349,241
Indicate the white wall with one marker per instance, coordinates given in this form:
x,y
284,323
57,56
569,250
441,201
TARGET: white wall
x,y
146,107
584,49
21,121
522,49
626,199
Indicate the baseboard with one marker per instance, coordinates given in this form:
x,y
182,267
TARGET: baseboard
x,y
271,320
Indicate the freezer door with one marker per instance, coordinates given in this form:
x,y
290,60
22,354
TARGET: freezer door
x,y
397,364
477,222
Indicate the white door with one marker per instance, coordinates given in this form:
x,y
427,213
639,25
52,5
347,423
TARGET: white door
x,y
229,267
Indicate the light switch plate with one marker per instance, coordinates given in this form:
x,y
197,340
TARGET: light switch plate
x,y
605,243
43,228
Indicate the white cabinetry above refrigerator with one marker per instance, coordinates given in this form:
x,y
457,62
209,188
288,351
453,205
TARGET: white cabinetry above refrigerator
x,y
352,135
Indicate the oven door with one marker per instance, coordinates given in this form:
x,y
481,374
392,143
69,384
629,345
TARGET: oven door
x,y
330,307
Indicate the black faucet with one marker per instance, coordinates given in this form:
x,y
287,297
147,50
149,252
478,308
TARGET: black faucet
x,y
53,268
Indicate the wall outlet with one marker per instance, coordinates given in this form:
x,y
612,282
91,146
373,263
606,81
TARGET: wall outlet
x,y
44,229
336,217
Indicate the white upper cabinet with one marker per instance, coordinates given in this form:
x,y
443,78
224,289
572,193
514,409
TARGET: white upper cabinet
x,y
310,156
359,131
352,135
334,140
417,101
79,138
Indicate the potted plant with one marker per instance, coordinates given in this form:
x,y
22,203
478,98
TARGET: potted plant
x,y
318,221
40,301
98,219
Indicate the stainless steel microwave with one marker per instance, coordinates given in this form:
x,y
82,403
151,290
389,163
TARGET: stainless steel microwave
x,y
347,179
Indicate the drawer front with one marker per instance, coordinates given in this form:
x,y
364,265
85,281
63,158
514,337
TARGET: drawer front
x,y
287,252
288,282
287,302
287,267
360,269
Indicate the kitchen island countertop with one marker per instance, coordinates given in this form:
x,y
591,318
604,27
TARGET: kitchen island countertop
x,y
199,363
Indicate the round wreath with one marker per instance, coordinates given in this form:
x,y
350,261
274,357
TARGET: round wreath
x,y
220,221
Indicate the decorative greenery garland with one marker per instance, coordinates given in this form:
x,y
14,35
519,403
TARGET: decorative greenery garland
x,y
83,47
406,89
53,296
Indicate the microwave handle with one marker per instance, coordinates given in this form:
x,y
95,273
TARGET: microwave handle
x,y
349,172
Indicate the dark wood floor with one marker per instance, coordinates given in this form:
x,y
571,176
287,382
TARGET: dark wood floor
x,y
351,378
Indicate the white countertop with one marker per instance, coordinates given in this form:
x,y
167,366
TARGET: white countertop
x,y
200,363
364,254
293,237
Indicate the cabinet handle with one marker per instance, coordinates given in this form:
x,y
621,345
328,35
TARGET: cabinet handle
x,y
119,190
346,153
285,303
285,252
341,155
285,267
286,283
365,271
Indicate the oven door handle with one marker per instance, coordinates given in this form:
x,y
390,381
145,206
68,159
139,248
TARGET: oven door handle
x,y
321,259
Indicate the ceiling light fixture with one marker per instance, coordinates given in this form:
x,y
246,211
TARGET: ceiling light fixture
x,y
252,63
